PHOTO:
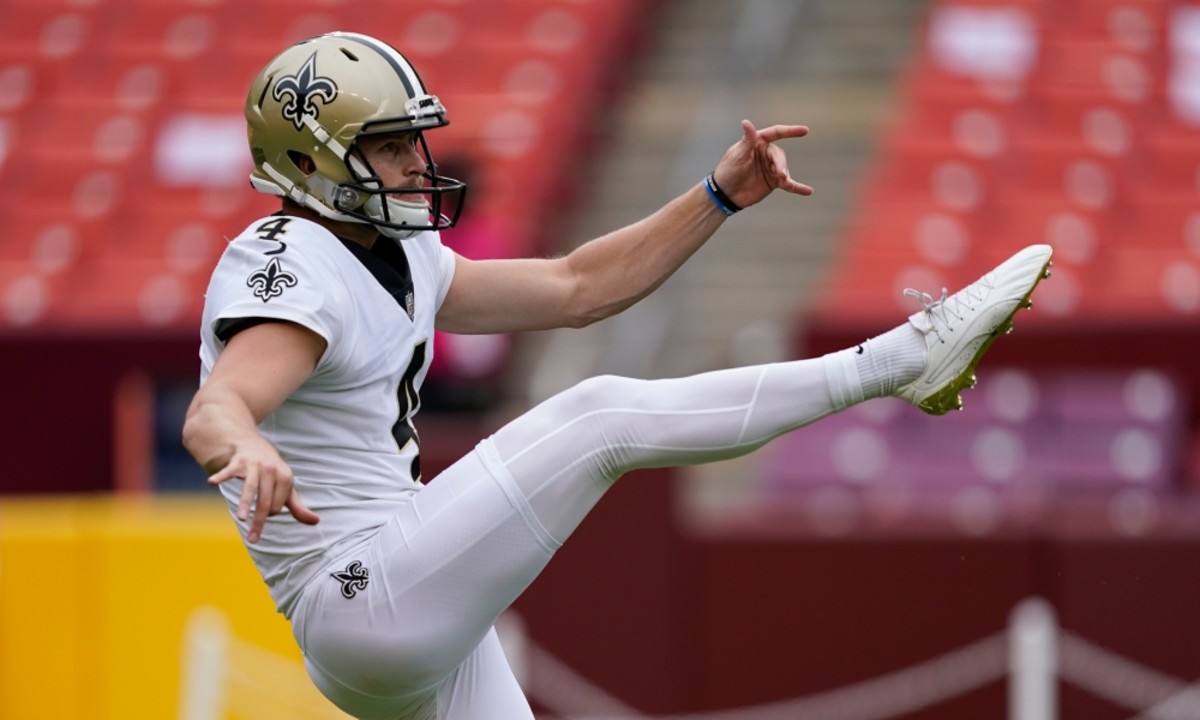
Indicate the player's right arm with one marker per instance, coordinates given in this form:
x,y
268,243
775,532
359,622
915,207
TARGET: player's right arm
x,y
258,369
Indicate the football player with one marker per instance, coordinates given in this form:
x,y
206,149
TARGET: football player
x,y
317,334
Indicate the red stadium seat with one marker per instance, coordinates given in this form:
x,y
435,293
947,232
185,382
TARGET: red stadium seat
x,y
1096,122
164,33
937,170
871,291
76,191
231,207
1136,25
52,241
185,244
47,32
1103,67
25,84
1150,283
122,86
1080,236
976,126
1066,169
267,28
117,292
100,135
915,229
979,48
50,42
1168,223
12,140
88,95
1172,165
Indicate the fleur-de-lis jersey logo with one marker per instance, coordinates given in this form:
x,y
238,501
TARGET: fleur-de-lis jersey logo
x,y
301,89
270,281
353,579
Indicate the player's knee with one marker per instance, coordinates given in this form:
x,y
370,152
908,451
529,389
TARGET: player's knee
x,y
603,392
610,406
592,427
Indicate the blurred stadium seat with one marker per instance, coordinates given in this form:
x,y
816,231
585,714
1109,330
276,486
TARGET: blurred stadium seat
x,y
1064,122
132,110
1075,123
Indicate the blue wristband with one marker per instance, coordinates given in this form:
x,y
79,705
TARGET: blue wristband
x,y
722,201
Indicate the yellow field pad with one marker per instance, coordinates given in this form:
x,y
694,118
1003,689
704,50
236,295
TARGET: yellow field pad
x,y
143,607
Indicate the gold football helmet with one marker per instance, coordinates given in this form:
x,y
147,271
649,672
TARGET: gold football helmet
x,y
316,99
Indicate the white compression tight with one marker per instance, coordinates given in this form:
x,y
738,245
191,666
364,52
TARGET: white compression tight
x,y
566,452
418,641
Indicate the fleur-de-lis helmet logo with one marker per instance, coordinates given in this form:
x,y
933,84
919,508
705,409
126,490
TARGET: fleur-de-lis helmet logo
x,y
301,89
270,281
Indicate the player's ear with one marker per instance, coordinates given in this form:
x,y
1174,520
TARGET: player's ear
x,y
304,163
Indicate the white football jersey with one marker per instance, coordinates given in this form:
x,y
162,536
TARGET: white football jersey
x,y
347,431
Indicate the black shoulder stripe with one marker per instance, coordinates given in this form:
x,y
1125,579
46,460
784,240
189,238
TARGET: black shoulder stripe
x,y
226,328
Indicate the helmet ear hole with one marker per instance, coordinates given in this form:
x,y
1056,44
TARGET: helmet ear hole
x,y
304,163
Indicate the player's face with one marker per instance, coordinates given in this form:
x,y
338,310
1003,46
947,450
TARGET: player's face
x,y
395,158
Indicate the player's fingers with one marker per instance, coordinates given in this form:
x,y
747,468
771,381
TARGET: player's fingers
x,y
249,491
780,132
785,182
262,505
749,134
776,165
283,488
796,187
226,473
300,511
777,169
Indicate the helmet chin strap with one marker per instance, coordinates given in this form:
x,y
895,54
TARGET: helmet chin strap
x,y
395,233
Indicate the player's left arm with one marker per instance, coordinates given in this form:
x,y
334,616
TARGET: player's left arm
x,y
259,368
607,275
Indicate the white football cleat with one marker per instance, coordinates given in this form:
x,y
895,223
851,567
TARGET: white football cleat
x,y
959,328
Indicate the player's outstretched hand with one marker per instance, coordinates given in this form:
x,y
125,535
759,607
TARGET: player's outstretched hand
x,y
269,486
755,166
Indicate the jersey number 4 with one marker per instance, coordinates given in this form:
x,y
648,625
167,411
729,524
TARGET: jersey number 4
x,y
271,230
410,402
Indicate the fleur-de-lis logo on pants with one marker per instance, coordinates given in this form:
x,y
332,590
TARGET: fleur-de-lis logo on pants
x,y
353,579
301,89
270,281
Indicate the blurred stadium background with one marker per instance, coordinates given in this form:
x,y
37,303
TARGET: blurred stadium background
x,y
1036,556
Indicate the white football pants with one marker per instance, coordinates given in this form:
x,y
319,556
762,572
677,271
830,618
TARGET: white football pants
x,y
418,642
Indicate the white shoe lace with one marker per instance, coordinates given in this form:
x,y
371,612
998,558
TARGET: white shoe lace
x,y
940,312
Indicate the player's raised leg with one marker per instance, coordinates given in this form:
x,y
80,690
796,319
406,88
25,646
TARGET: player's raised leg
x,y
565,453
